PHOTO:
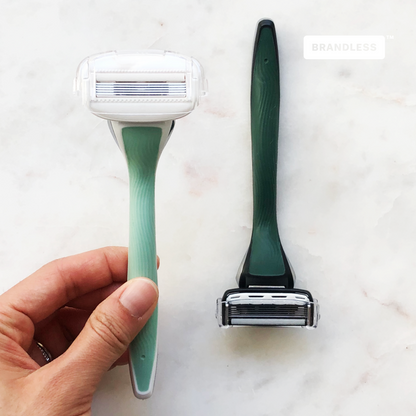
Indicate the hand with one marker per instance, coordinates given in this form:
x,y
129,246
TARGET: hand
x,y
81,310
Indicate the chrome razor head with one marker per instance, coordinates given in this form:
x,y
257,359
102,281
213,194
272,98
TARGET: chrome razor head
x,y
268,307
142,86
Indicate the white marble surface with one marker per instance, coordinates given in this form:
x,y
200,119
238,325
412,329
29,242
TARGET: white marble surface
x,y
347,197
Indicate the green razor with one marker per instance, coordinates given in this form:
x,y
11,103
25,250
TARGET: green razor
x,y
266,294
141,94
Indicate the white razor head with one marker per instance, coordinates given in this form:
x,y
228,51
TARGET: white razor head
x,y
143,86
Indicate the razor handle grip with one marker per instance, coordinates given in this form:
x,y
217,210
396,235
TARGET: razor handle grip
x,y
266,263
142,148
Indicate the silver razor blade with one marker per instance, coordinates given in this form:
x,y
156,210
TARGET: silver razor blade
x,y
274,307
140,89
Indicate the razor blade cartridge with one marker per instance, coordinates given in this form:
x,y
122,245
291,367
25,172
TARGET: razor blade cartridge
x,y
268,307
148,85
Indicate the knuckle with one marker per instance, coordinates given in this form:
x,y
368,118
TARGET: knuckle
x,y
110,331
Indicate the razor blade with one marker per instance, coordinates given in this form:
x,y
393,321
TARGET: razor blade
x,y
267,307
147,85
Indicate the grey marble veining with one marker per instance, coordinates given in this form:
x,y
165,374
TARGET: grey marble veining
x,y
346,190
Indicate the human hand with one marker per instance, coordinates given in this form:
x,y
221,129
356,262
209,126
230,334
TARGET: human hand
x,y
81,310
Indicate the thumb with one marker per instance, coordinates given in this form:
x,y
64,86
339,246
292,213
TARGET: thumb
x,y
109,330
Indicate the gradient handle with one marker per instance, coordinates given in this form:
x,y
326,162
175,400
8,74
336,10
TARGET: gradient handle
x,y
265,263
142,146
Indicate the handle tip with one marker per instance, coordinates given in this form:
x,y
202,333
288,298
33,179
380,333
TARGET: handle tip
x,y
265,23
142,382
139,392
142,395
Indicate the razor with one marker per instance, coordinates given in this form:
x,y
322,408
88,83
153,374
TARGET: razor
x,y
266,295
141,94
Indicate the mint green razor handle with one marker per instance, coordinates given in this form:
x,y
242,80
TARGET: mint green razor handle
x,y
265,263
140,93
142,145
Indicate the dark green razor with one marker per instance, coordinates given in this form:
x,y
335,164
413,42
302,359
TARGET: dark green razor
x,y
266,294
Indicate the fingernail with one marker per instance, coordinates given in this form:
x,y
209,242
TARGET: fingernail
x,y
139,296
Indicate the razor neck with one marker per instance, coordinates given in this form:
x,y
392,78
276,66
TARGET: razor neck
x,y
164,127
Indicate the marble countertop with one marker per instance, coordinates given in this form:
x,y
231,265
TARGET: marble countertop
x,y
346,197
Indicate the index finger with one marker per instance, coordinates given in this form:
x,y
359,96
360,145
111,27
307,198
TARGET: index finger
x,y
62,280
54,285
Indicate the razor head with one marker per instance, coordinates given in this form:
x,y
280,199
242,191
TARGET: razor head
x,y
268,307
142,86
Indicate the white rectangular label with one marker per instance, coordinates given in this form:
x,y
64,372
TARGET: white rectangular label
x,y
344,47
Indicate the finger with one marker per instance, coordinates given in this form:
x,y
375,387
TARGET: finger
x,y
123,360
54,337
91,300
63,280
72,321
36,354
108,332
56,284
63,330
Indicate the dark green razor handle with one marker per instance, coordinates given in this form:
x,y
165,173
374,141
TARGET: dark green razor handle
x,y
265,263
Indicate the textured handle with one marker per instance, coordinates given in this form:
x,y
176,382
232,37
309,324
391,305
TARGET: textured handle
x,y
142,148
266,254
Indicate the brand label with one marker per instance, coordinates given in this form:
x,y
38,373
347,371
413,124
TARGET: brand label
x,y
344,47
